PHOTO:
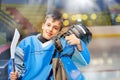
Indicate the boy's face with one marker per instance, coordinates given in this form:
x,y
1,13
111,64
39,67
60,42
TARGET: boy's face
x,y
51,28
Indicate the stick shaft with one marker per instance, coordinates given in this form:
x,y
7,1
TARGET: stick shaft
x,y
13,65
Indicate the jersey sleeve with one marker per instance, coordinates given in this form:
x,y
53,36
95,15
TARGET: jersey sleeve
x,y
81,58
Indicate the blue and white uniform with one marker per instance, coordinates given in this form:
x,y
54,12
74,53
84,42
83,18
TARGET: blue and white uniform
x,y
32,57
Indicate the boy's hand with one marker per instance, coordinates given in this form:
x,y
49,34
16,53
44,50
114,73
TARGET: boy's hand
x,y
73,40
13,75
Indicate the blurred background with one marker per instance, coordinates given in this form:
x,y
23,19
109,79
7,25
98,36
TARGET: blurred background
x,y
102,17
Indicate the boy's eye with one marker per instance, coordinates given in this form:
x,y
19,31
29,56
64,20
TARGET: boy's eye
x,y
48,24
56,28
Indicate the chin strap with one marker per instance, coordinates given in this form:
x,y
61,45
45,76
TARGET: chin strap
x,y
59,49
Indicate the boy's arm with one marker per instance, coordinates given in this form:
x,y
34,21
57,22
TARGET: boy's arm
x,y
81,58
19,67
81,48
19,62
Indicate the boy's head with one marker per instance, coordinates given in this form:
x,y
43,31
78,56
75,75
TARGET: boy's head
x,y
56,15
52,25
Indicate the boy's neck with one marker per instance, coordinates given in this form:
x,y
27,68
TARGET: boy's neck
x,y
42,39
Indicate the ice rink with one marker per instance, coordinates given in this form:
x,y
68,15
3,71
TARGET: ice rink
x,y
105,54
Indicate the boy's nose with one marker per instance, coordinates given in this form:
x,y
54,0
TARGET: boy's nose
x,y
51,28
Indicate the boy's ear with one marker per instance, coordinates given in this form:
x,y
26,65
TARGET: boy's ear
x,y
43,25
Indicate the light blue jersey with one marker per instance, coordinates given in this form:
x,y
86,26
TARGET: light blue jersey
x,y
32,58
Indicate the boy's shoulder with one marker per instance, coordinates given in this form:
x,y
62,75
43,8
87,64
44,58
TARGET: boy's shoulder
x,y
32,36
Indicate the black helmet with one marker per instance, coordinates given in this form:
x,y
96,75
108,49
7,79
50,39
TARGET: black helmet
x,y
81,31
